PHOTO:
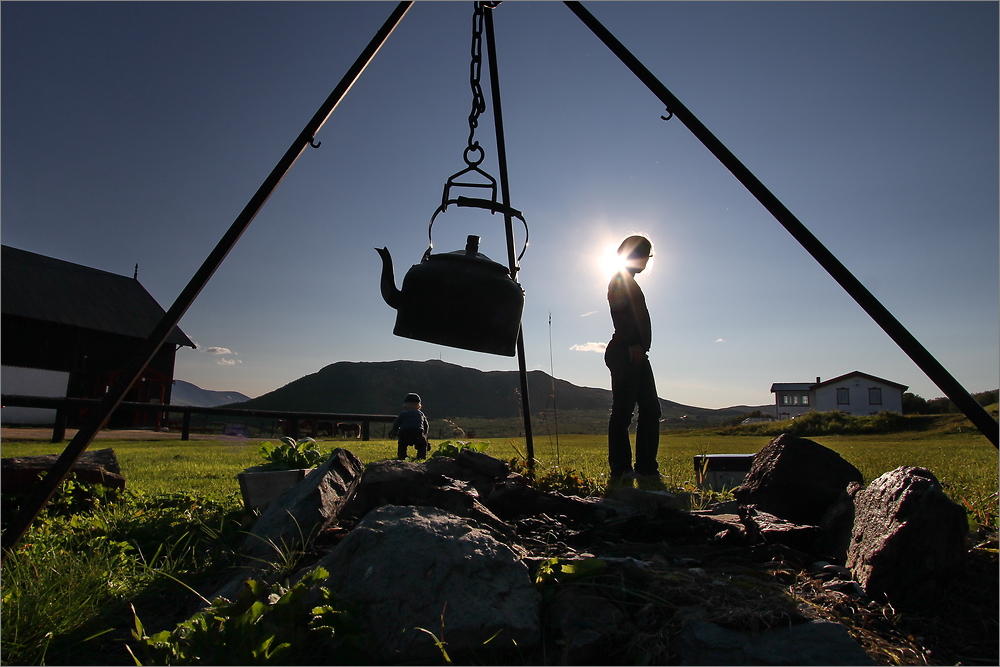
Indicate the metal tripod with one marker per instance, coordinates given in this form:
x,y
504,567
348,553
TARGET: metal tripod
x,y
900,335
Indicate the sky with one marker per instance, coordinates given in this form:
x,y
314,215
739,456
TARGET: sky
x,y
135,133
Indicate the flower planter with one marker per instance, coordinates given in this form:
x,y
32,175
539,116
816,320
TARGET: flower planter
x,y
259,487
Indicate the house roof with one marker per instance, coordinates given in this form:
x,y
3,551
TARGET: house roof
x,y
791,386
809,386
52,290
841,378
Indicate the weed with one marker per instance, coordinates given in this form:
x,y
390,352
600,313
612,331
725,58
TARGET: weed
x,y
265,625
290,454
449,448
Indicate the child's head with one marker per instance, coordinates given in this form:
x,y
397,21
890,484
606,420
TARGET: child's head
x,y
412,402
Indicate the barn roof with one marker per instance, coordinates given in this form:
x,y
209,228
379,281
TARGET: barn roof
x,y
52,290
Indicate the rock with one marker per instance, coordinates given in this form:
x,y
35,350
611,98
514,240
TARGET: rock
x,y
650,502
409,568
812,643
512,499
837,525
908,540
482,464
100,466
479,471
395,482
772,529
297,515
796,479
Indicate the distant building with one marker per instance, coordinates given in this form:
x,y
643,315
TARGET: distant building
x,y
855,393
70,330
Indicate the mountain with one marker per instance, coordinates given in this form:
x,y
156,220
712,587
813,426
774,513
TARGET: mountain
x,y
447,390
185,393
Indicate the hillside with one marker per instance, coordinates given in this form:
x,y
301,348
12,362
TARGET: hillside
x,y
448,391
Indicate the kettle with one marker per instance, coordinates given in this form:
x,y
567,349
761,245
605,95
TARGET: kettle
x,y
460,299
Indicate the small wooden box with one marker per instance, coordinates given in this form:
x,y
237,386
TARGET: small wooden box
x,y
721,471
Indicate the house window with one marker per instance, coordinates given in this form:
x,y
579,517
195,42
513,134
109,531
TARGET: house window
x,y
805,399
843,396
875,396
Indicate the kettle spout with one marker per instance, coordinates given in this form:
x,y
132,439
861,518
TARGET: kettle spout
x,y
388,283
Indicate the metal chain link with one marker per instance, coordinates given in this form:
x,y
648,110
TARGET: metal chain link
x,y
475,72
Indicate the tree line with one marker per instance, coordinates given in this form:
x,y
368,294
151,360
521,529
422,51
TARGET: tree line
x,y
916,405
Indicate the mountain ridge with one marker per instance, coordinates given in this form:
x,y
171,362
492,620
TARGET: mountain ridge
x,y
447,391
189,394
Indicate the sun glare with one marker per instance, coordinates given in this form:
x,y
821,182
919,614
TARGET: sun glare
x,y
609,262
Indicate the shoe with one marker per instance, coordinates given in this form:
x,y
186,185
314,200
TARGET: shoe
x,y
620,480
651,481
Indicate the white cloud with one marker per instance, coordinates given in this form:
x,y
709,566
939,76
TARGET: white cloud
x,y
589,347
593,312
720,340
219,350
228,362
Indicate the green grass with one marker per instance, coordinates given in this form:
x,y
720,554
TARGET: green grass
x,y
74,575
964,461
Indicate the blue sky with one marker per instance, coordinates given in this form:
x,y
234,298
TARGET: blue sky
x,y
135,132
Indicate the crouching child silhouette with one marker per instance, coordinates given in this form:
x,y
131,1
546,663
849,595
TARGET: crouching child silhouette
x,y
411,428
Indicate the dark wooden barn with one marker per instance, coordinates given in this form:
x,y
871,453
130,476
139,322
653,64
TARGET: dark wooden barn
x,y
87,323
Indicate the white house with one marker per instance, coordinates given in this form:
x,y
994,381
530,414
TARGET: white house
x,y
855,393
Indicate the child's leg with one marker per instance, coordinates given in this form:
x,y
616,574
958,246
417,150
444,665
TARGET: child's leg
x,y
401,449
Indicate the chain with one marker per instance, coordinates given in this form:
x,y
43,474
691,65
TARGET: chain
x,y
475,72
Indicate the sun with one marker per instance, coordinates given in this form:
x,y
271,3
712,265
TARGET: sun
x,y
608,261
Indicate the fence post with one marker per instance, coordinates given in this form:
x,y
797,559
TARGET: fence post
x,y
59,427
186,425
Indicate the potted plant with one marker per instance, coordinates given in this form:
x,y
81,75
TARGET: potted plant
x,y
285,465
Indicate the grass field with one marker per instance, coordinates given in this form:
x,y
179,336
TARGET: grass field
x,y
965,462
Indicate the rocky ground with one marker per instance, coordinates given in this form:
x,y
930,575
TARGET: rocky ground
x,y
639,577
660,584
668,568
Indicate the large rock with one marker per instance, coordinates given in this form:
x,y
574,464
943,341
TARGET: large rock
x,y
395,482
796,479
908,539
410,569
293,519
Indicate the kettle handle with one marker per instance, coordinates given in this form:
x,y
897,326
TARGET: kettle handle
x,y
476,203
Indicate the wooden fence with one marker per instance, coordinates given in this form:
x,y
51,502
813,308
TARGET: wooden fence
x,y
293,423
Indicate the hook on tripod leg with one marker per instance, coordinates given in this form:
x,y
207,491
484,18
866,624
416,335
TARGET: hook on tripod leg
x,y
314,143
670,114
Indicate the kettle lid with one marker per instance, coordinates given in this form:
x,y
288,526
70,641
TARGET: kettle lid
x,y
471,252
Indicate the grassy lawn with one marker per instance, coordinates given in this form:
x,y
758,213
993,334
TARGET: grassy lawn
x,y
965,463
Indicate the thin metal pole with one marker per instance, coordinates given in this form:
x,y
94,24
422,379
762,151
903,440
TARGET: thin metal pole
x,y
172,317
976,413
505,196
